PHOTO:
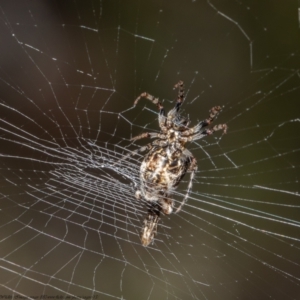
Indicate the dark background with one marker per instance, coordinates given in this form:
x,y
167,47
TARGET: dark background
x,y
69,73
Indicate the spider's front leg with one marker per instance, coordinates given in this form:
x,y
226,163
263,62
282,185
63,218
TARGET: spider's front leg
x,y
213,113
198,130
204,133
161,118
180,98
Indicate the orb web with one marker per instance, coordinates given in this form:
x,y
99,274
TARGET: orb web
x,y
70,224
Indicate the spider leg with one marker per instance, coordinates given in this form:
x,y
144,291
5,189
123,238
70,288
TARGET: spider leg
x,y
149,135
213,112
207,132
193,130
196,129
153,100
180,97
161,117
204,133
192,168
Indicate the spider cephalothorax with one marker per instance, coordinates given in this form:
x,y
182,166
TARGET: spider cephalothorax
x,y
167,160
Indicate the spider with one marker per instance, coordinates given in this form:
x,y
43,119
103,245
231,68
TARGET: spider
x,y
167,160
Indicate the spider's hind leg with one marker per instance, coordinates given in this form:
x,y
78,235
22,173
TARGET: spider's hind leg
x,y
153,100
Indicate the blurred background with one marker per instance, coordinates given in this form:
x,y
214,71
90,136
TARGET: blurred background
x,y
69,221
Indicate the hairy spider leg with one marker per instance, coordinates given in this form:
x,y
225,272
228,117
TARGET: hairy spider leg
x,y
180,98
213,112
149,135
199,128
162,115
192,168
204,133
